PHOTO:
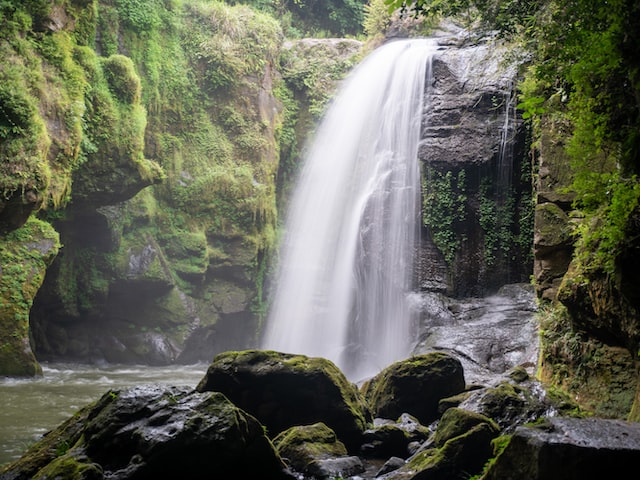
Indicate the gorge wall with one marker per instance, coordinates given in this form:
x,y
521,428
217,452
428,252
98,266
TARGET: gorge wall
x,y
106,98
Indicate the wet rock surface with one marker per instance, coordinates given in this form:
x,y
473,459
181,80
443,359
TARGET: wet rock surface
x,y
488,335
570,448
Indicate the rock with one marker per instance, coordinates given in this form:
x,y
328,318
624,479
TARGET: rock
x,y
414,386
509,405
302,445
385,441
25,254
388,438
460,457
570,448
283,390
456,422
314,450
390,465
341,467
140,433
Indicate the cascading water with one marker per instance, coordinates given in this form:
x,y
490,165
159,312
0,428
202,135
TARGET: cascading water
x,y
346,263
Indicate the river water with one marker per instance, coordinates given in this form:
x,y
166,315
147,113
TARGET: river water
x,y
32,407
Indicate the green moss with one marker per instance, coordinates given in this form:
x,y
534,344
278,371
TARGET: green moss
x,y
302,445
455,422
590,376
122,78
69,468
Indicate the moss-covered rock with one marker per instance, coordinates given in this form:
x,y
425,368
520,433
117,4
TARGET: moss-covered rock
x,y
456,421
414,386
140,432
284,390
302,446
461,456
25,254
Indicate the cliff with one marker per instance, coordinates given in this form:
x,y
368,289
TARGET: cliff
x,y
149,136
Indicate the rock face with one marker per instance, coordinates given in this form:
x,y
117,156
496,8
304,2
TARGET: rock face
x,y
25,255
415,386
567,448
476,203
283,390
154,432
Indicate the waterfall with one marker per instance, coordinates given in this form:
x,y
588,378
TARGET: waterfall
x,y
347,259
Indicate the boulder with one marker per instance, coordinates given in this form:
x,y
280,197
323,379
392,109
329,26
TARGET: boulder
x,y
388,438
153,432
456,422
415,386
460,456
315,450
566,448
284,390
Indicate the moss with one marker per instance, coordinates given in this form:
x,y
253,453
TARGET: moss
x,y
70,468
122,78
599,378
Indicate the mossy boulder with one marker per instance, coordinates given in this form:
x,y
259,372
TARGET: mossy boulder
x,y
141,433
25,254
461,456
315,450
284,390
456,422
414,386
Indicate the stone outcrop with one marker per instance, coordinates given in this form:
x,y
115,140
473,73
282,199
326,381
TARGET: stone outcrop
x,y
25,255
283,390
563,448
476,203
153,432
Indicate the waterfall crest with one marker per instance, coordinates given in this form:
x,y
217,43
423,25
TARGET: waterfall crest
x,y
347,259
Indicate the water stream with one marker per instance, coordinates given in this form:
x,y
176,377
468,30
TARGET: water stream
x,y
33,406
347,260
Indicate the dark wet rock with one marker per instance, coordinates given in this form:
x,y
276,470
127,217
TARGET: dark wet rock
x,y
385,441
331,468
153,432
414,386
388,438
568,448
488,335
390,465
283,390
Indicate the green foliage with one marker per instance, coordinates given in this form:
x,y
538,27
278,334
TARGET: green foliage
x,y
23,137
376,18
315,18
141,15
444,209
